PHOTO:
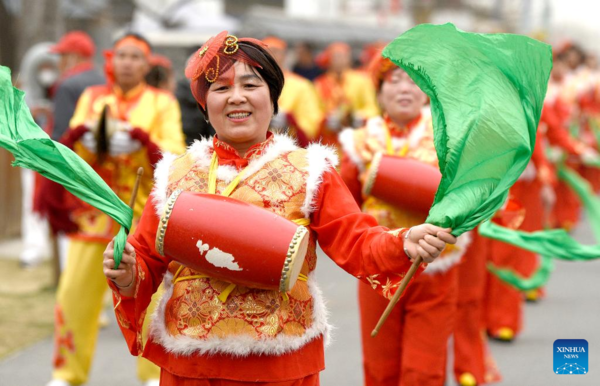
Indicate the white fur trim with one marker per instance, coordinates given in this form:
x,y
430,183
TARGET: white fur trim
x,y
375,128
320,159
346,139
161,182
201,151
240,345
443,263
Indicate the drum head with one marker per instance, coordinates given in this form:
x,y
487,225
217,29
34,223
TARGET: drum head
x,y
295,259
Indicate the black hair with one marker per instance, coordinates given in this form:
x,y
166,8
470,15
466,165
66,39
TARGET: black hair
x,y
269,70
157,75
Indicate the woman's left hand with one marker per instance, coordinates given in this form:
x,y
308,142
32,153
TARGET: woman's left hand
x,y
427,241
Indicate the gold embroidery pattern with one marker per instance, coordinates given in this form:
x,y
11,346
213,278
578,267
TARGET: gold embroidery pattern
x,y
194,309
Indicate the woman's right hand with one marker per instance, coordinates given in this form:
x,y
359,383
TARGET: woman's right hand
x,y
427,241
124,276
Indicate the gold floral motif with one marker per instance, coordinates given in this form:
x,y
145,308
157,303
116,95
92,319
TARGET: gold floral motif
x,y
271,326
390,286
121,319
373,282
232,326
277,181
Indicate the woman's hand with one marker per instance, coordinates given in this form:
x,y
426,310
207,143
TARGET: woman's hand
x,y
124,276
427,241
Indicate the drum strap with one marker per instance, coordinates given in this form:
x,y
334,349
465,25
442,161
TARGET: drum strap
x,y
212,178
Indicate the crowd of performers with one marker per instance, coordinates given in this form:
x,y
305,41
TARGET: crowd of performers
x,y
206,332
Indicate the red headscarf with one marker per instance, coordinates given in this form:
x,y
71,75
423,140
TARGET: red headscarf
x,y
213,59
380,68
109,71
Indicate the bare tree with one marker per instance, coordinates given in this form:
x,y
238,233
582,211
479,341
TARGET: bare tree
x,y
40,21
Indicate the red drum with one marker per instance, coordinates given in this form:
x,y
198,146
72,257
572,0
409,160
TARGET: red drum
x,y
232,240
403,182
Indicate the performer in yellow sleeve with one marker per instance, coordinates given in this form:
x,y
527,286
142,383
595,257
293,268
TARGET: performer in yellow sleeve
x,y
347,96
299,108
116,128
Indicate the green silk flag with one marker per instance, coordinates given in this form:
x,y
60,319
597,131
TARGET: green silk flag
x,y
550,244
33,149
539,278
554,243
588,198
486,92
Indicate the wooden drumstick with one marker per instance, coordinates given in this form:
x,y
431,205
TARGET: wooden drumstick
x,y
136,186
411,272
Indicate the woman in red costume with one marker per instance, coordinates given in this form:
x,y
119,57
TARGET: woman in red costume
x,y
411,347
206,332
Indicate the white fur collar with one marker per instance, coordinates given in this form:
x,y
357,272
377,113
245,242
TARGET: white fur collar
x,y
201,151
320,159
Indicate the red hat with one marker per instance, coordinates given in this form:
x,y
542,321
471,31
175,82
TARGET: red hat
x,y
213,59
75,42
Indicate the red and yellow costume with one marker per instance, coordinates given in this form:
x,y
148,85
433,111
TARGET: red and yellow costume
x,y
254,335
411,347
349,96
155,120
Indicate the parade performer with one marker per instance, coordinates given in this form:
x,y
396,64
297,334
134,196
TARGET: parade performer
x,y
76,50
534,191
139,122
347,96
412,344
299,108
210,331
476,150
561,113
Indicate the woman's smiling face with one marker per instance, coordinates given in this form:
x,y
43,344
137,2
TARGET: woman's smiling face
x,y
400,97
239,107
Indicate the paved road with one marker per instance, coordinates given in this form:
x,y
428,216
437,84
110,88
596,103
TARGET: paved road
x,y
571,311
